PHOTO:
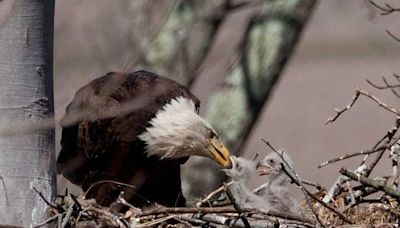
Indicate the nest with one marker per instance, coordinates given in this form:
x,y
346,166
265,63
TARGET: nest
x,y
71,211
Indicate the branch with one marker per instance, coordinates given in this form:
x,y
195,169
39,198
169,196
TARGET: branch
x,y
341,111
237,207
377,149
46,201
360,192
390,136
369,182
334,210
380,103
393,36
48,221
355,98
386,10
387,86
212,194
221,210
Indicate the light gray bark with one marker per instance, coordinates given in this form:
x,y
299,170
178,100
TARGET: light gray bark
x,y
177,48
26,95
236,104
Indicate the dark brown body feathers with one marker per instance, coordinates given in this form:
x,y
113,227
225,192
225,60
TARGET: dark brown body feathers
x,y
99,139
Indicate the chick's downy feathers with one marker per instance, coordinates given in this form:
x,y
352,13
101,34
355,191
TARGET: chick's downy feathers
x,y
276,191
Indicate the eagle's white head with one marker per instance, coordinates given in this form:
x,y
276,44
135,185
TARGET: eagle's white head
x,y
178,131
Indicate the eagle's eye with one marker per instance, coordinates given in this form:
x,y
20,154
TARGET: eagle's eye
x,y
211,134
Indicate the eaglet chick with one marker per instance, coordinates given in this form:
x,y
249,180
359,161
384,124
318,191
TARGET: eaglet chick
x,y
276,191
240,173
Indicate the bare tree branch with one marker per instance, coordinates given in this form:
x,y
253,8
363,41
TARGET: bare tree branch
x,y
369,182
392,35
363,152
359,92
386,10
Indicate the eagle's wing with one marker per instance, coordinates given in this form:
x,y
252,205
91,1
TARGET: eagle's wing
x,y
100,129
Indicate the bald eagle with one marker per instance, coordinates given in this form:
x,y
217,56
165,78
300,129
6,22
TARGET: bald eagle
x,y
135,128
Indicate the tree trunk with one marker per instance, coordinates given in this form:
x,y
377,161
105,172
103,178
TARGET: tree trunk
x,y
234,107
181,42
26,96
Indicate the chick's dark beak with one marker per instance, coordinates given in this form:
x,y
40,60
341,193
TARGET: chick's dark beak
x,y
220,153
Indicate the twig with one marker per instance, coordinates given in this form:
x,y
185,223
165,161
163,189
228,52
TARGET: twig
x,y
111,217
59,220
194,220
393,36
387,86
394,155
114,182
222,210
380,154
212,194
359,92
51,219
199,222
76,203
123,201
396,76
5,190
363,152
342,216
215,218
237,207
386,10
46,201
334,190
256,156
391,87
380,103
389,135
337,188
360,192
68,214
369,182
155,222
341,111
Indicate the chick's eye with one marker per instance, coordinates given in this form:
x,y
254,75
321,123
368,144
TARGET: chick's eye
x,y
271,161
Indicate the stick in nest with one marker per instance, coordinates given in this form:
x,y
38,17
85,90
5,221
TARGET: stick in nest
x,y
369,182
212,194
46,201
221,210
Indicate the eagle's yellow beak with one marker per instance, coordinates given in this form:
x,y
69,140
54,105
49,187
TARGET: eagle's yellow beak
x,y
220,153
